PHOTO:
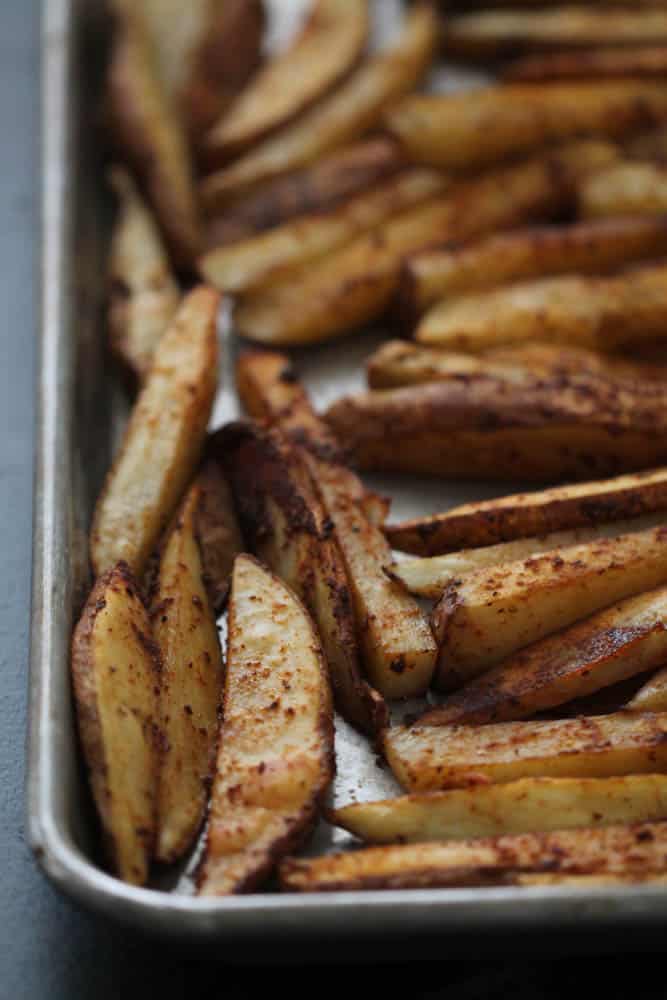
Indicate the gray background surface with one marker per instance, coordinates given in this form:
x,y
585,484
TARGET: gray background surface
x,y
48,949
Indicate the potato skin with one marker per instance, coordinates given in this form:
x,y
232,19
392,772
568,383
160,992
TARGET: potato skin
x,y
588,64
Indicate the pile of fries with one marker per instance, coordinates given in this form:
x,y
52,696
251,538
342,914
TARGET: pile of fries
x,y
517,234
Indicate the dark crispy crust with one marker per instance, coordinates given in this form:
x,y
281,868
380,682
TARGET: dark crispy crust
x,y
593,63
317,188
218,533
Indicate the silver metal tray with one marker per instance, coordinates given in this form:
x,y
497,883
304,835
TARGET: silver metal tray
x,y
81,412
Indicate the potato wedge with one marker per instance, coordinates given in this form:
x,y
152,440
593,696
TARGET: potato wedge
x,y
591,881
524,806
589,64
356,283
115,672
428,577
478,128
275,760
352,110
426,758
639,849
312,190
647,146
534,252
601,313
323,53
218,532
287,528
191,683
492,613
163,441
143,294
148,134
207,51
524,515
624,189
505,33
484,429
619,642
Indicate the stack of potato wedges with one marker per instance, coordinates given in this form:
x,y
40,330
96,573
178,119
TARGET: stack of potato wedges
x,y
512,242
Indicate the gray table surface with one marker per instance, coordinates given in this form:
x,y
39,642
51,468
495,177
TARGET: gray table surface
x,y
47,947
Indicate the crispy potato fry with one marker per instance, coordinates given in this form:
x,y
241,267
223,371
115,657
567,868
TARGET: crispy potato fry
x,y
619,642
428,577
353,285
489,614
218,532
269,257
624,189
427,758
163,440
312,190
534,252
523,515
190,686
143,296
322,54
287,529
506,33
524,806
602,313
590,881
148,133
639,849
397,645
115,671
481,127
354,108
652,696
275,760
589,64
207,50
482,429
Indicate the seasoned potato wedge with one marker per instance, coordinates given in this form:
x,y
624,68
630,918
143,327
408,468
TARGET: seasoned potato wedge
x,y
352,110
148,133
190,685
524,515
323,53
310,191
481,127
639,849
275,760
523,806
489,614
163,440
428,577
115,671
427,758
207,50
287,528
143,294
265,258
591,881
534,252
647,146
624,189
589,64
218,531
619,642
484,429
652,696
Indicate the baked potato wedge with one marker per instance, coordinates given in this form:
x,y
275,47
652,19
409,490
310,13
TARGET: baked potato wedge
x,y
647,146
163,441
426,758
271,256
322,54
354,108
143,294
624,189
589,64
148,134
652,696
529,253
525,515
478,128
218,532
190,683
523,806
482,429
287,528
486,616
639,849
116,673
275,760
621,641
